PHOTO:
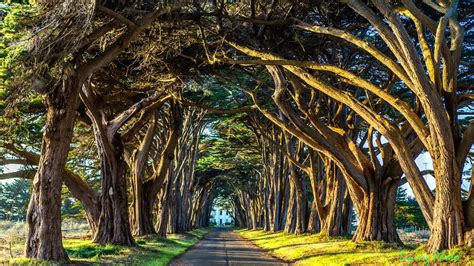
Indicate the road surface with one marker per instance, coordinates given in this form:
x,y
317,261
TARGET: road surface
x,y
224,247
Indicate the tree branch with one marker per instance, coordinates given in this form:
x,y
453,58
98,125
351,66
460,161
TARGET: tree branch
x,y
242,109
28,174
153,100
109,12
123,41
13,161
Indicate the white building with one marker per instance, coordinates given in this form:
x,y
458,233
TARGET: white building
x,y
221,217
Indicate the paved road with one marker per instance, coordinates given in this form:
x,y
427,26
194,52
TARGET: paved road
x,y
223,247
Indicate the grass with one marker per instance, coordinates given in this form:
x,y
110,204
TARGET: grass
x,y
318,249
150,250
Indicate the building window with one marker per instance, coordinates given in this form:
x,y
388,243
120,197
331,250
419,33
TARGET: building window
x,y
221,212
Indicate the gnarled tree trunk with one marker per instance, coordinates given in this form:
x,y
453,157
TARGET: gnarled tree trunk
x,y
142,211
447,227
376,214
163,211
44,238
114,226
332,219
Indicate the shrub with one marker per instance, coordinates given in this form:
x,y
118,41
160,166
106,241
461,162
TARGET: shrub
x,y
12,233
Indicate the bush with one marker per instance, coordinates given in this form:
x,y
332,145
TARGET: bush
x,y
73,224
12,233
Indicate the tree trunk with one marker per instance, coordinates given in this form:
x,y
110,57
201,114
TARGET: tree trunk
x,y
162,225
332,220
265,204
376,214
92,216
239,214
44,238
347,213
313,221
291,211
163,214
142,211
114,226
468,207
285,202
254,213
447,228
172,210
300,200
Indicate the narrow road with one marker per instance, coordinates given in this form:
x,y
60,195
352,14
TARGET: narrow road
x,y
224,247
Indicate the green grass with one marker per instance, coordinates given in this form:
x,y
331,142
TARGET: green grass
x,y
318,249
150,250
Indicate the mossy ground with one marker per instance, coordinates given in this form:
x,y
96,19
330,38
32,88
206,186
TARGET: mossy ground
x,y
319,249
150,250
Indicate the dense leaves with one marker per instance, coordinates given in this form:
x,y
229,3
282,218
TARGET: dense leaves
x,y
407,213
14,198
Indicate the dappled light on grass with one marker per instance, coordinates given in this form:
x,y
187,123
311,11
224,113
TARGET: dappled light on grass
x,y
319,249
150,250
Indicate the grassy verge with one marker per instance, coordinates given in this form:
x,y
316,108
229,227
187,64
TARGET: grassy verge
x,y
321,250
150,250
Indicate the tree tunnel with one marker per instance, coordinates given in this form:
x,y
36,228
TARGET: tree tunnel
x,y
302,116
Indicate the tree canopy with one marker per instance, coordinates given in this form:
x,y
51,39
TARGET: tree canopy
x,y
298,114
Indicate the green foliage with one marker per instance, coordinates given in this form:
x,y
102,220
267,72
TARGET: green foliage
x,y
14,199
71,208
223,203
24,122
219,91
15,196
12,33
229,146
408,212
24,128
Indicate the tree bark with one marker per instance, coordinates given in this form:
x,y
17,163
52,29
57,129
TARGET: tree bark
x,y
44,238
376,214
114,226
314,225
447,228
291,211
300,200
77,186
142,216
332,223
163,212
254,213
347,213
